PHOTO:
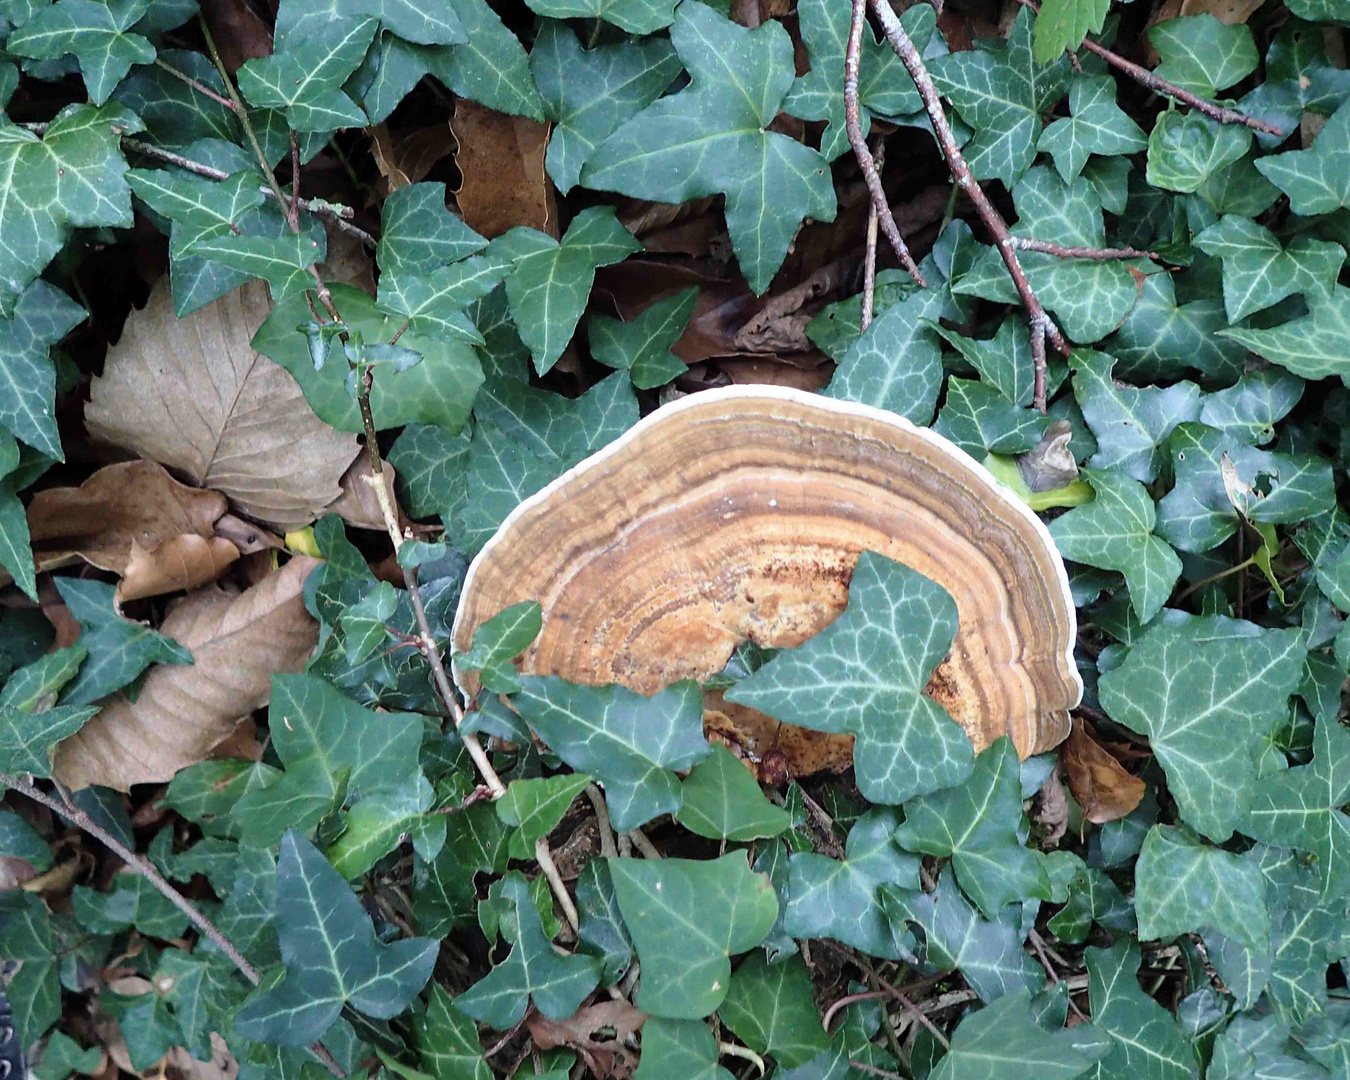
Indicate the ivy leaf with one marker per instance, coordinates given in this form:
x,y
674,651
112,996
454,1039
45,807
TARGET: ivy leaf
x,y
884,86
1090,897
535,807
1115,532
551,280
1130,424
430,463
1203,55
988,953
589,93
42,316
1299,78
638,17
1002,1041
1182,884
1003,361
433,304
1063,24
722,801
331,955
448,1040
497,642
27,739
97,32
1313,345
1069,214
770,1008
1186,149
1147,1044
491,67
198,208
711,138
133,901
686,918
864,675
628,742
557,984
378,824
838,898
1250,408
305,79
1160,338
1001,93
642,347
475,840
418,235
678,1050
979,420
73,177
1302,807
1206,692
1198,513
118,649
1317,180
1258,272
602,933
439,390
1096,124
976,826
26,935
283,261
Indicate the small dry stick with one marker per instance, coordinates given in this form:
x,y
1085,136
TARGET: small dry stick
x,y
1023,243
643,844
904,48
892,991
1144,77
729,1049
544,858
845,1002
1042,954
140,865
598,804
870,258
853,126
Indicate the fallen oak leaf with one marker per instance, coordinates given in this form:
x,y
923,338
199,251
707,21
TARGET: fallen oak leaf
x,y
182,563
1099,782
182,713
598,1033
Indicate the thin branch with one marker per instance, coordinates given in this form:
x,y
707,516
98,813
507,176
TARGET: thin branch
x,y
892,991
873,1070
643,844
1042,954
1038,328
909,56
1144,77
853,126
200,87
544,858
598,804
870,258
140,865
293,212
729,1049
845,1002
1023,243
500,1044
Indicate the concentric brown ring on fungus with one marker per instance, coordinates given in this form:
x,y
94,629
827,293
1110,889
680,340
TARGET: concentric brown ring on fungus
x,y
738,514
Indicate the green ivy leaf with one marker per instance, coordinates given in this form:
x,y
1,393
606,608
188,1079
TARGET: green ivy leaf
x,y
1203,55
1160,338
1090,896
678,1050
1182,884
1301,807
198,208
864,675
1313,345
550,280
602,933
433,304
557,984
448,1040
1317,180
498,641
1096,124
770,1008
97,32
1116,532
1001,93
686,918
1003,1042
206,792
979,420
64,1056
976,826
42,316
1003,361
27,739
642,347
988,953
1258,272
26,935
534,808
430,463
1206,692
283,261
722,801
118,649
707,140
331,955
628,742
418,235
19,840
1186,149
1063,24
1251,407
1147,1044
475,840
378,824
838,898
638,17
589,93
304,79
1299,78
884,86
133,901
491,67
1131,425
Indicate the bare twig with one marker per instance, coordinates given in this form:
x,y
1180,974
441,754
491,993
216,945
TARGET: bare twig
x,y
1043,955
870,258
1038,328
845,1002
544,858
892,991
873,1070
293,211
197,85
1023,243
826,823
729,1049
853,126
68,809
1144,77
909,56
500,1044
643,844
597,798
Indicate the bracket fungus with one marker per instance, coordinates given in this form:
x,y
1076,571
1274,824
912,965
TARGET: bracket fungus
x,y
738,514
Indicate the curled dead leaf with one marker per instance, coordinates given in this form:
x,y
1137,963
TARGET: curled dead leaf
x,y
183,711
193,394
359,503
184,562
1099,782
501,159
598,1033
120,506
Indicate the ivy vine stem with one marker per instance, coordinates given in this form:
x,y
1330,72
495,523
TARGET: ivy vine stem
x,y
903,47
142,866
870,255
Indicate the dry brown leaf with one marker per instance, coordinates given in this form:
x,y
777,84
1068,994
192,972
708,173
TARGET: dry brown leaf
x,y
420,151
358,504
606,1057
1226,11
386,158
771,371
1099,782
183,711
240,32
501,160
193,394
246,536
1050,808
180,1065
348,261
181,563
120,506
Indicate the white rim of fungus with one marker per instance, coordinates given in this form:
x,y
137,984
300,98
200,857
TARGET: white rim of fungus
x,y
765,392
